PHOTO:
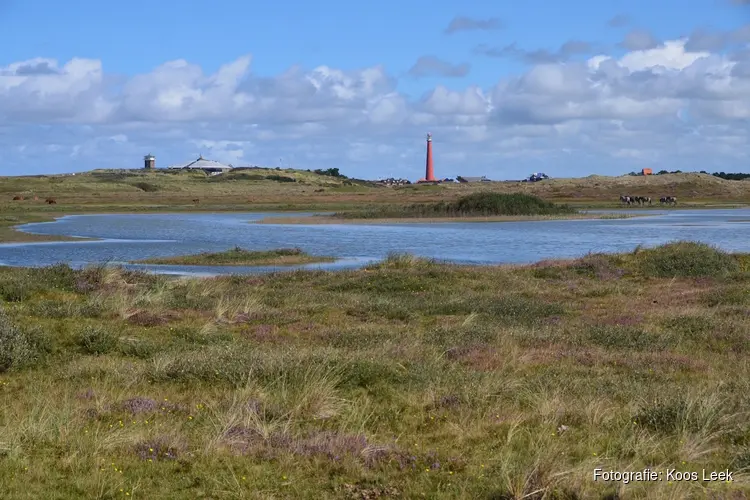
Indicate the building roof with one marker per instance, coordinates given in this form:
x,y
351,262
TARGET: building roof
x,y
203,163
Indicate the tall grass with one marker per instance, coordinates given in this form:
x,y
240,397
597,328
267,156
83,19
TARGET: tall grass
x,y
408,379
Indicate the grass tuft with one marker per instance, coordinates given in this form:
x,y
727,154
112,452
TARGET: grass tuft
x,y
685,259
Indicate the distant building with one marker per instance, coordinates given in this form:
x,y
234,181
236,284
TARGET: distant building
x,y
149,162
647,171
472,179
211,167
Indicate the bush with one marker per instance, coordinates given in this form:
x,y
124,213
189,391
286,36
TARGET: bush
x,y
280,178
473,205
147,187
19,348
96,340
508,204
685,259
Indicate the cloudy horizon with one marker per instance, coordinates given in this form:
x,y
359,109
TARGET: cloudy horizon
x,y
635,97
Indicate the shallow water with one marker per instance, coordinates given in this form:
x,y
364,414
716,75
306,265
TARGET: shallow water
x,y
127,237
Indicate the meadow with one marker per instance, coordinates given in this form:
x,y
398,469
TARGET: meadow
x,y
407,379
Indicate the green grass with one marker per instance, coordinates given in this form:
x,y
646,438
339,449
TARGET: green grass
x,y
240,257
473,205
409,379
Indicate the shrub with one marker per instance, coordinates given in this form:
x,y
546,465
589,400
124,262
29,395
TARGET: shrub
x,y
147,187
685,259
19,348
96,340
280,178
478,204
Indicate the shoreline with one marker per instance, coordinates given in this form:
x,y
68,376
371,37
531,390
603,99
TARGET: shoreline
x,y
326,219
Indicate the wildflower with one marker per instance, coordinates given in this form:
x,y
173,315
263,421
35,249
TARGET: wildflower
x,y
283,477
243,478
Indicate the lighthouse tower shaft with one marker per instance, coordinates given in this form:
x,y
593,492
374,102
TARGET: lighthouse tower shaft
x,y
429,171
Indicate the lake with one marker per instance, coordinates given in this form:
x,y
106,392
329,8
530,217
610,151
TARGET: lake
x,y
127,237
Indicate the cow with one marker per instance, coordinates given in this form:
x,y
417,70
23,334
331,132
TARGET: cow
x,y
669,200
50,201
18,198
196,200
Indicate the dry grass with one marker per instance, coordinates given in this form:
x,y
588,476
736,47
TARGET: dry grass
x,y
409,379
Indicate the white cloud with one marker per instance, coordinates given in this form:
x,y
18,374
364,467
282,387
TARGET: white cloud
x,y
663,105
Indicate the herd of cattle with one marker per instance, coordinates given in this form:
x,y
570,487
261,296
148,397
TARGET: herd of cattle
x,y
646,200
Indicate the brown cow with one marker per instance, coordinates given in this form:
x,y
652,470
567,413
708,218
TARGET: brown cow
x,y
197,200
17,198
50,201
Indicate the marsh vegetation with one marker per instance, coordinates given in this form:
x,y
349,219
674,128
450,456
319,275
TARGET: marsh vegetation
x,y
238,256
409,378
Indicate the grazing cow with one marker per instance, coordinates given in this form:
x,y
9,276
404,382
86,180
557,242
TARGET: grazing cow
x,y
17,198
50,201
196,200
669,200
626,199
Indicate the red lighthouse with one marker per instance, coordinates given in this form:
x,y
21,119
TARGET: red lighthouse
x,y
429,175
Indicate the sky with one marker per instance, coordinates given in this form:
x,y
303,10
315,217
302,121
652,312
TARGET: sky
x,y
506,88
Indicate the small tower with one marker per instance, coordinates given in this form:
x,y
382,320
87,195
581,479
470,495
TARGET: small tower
x,y
149,162
429,175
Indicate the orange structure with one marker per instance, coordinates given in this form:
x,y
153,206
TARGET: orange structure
x,y
647,171
429,175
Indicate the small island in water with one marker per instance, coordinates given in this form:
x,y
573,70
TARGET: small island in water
x,y
240,257
477,207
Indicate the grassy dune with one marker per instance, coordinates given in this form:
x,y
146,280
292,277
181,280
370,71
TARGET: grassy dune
x,y
409,379
240,257
262,189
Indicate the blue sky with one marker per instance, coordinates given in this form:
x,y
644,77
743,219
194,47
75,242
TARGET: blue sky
x,y
494,52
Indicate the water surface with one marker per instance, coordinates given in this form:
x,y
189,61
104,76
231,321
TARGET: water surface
x,y
127,237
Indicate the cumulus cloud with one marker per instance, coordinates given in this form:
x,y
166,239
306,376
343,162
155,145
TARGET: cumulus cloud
x,y
433,66
461,23
673,105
